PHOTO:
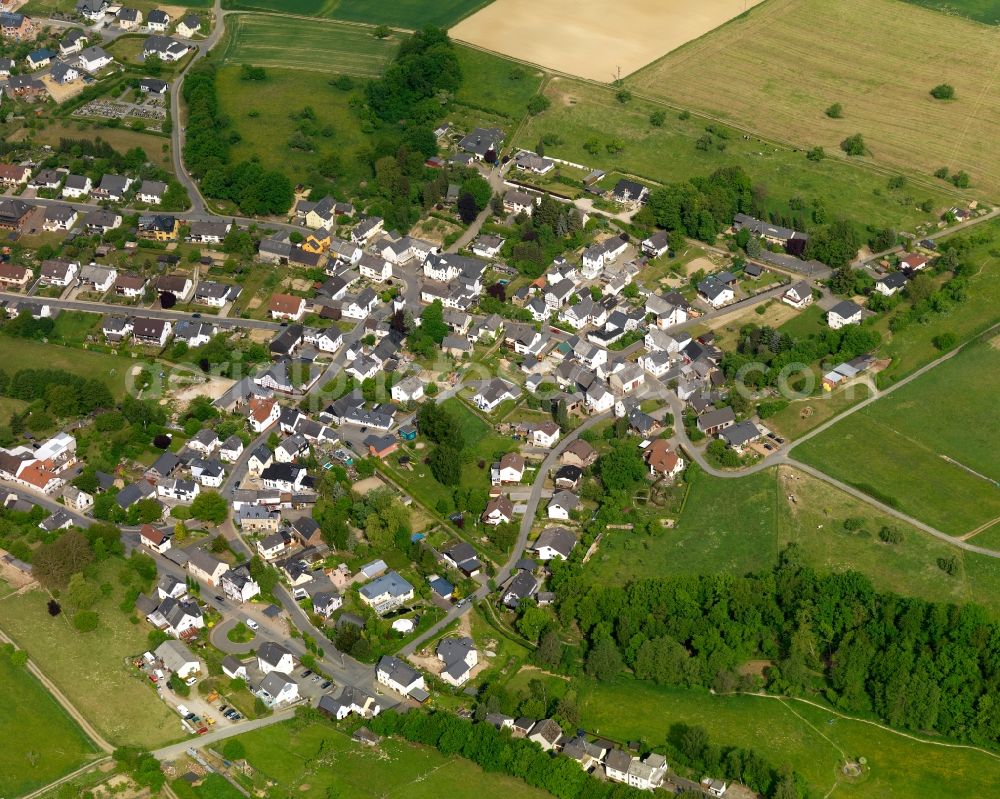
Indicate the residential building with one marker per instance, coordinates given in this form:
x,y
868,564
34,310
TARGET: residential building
x,y
386,593
272,656
393,673
798,295
842,314
555,542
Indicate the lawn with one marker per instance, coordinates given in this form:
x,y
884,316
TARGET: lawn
x,y
10,406
331,48
495,83
795,58
740,525
801,416
17,354
581,113
805,323
411,14
814,741
316,761
41,742
93,669
260,109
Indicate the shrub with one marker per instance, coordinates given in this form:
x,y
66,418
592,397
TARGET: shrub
x,y
835,111
945,341
890,535
658,118
538,103
816,154
854,145
853,523
949,564
943,91
85,621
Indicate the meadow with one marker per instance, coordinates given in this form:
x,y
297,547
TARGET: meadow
x,y
409,14
801,416
68,7
793,59
317,761
259,108
41,742
740,525
496,84
582,114
814,741
92,669
157,148
17,354
942,427
322,46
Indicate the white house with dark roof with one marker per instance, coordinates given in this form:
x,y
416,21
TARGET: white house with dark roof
x,y
272,656
386,593
76,186
798,295
556,542
395,674
562,504
459,657
843,314
59,217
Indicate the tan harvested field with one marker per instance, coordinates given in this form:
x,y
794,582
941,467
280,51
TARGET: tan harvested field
x,y
777,69
599,41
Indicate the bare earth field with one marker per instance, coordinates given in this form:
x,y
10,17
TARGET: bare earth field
x,y
593,40
777,69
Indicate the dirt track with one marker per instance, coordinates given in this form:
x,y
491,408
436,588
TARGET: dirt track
x,y
593,40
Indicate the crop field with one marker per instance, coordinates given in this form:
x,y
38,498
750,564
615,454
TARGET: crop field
x,y
814,741
410,14
738,526
41,742
778,68
316,45
582,114
593,43
316,761
17,354
942,427
91,668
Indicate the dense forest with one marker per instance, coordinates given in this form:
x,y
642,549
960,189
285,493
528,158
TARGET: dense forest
x,y
917,665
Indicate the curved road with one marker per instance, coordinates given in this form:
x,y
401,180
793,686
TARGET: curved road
x,y
782,457
218,638
522,538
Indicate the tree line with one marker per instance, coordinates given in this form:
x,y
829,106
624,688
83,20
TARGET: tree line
x,y
258,192
927,667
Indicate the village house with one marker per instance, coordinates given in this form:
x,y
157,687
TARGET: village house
x,y
180,286
494,392
386,593
17,27
842,314
154,539
662,460
12,276
203,566
58,273
272,656
94,58
130,285
393,673
151,331
545,435
890,284
518,202
59,218
798,295
165,48
499,510
556,542
151,192
188,26
285,306
459,657
562,504
76,186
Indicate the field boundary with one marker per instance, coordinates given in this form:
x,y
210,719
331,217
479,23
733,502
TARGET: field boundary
x,y
95,737
903,734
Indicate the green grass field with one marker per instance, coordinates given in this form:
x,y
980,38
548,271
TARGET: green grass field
x,y
68,7
317,761
91,669
411,14
740,525
940,426
801,416
495,83
41,742
259,109
814,741
17,354
581,112
331,48
986,11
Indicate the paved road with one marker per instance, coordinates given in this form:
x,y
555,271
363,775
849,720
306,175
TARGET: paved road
x,y
783,458
174,751
522,538
230,322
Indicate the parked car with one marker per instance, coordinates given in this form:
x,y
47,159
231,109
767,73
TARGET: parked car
x,y
252,624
